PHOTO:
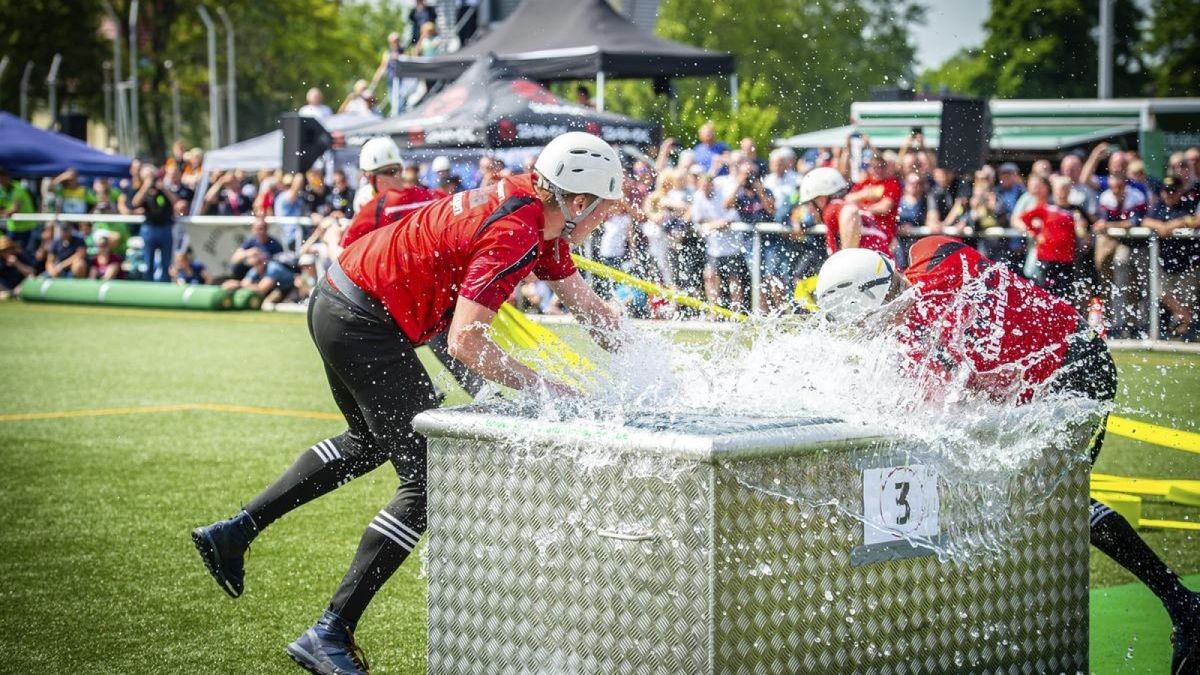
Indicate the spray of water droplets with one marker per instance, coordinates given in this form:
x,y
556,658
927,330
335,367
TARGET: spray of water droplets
x,y
996,462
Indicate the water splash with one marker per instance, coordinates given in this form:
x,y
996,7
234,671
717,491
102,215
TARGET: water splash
x,y
996,462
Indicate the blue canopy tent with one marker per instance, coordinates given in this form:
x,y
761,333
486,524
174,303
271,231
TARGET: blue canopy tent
x,y
26,150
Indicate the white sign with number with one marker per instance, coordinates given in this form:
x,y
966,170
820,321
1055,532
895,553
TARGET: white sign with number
x,y
899,502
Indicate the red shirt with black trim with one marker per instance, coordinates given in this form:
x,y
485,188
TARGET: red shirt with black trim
x,y
880,189
972,313
477,245
872,237
1054,229
387,208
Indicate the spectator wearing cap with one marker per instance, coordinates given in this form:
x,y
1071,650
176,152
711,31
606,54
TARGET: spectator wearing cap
x,y
67,255
1180,257
16,265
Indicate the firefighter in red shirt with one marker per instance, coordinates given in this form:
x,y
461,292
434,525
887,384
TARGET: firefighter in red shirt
x,y
450,264
878,194
394,197
846,225
957,309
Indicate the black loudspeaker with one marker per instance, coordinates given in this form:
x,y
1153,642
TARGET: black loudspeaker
x,y
965,134
304,140
73,125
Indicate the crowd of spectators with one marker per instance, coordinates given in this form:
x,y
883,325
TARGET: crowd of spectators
x,y
679,226
1051,220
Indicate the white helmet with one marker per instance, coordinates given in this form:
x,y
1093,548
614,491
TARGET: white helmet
x,y
378,153
821,182
583,164
853,282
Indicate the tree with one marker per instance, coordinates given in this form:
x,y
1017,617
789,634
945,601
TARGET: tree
x,y
1045,49
283,48
800,63
1172,48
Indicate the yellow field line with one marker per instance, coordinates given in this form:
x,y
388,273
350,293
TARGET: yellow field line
x,y
241,317
1152,433
179,407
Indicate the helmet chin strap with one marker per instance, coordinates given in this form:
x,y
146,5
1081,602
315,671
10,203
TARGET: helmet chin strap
x,y
569,221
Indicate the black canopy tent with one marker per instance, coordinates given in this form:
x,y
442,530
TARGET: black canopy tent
x,y
549,40
491,106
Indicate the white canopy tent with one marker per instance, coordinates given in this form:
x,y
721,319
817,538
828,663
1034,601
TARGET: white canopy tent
x,y
264,152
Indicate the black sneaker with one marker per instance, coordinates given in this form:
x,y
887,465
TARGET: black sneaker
x,y
328,648
222,547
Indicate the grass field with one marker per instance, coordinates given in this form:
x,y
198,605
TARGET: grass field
x,y
97,570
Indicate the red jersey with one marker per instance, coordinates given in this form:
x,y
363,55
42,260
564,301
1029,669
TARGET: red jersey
x,y
477,245
387,208
883,188
1054,229
973,312
872,237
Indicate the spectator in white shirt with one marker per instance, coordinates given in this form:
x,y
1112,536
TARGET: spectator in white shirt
x,y
725,270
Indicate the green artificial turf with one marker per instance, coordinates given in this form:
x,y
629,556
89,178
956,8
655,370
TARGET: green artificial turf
x,y
97,570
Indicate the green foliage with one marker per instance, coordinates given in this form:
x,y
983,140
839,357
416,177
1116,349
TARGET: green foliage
x,y
1045,49
800,63
1173,48
283,48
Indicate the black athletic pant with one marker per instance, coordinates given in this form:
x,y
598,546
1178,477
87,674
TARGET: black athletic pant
x,y
1089,370
379,385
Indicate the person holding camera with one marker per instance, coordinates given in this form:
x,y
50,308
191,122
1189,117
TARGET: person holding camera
x,y
154,201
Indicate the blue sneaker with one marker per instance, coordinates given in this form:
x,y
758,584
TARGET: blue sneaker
x,y
222,547
328,648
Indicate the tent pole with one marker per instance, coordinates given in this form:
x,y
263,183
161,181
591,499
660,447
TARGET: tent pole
x,y
733,92
600,90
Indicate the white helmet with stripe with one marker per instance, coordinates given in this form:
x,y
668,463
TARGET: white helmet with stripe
x,y
853,282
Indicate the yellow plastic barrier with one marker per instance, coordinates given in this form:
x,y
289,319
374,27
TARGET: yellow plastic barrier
x,y
1186,441
1129,506
537,346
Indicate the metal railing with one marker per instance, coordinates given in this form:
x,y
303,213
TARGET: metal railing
x,y
756,230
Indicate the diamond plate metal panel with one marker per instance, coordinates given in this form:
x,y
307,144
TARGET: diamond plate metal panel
x,y
537,565
789,600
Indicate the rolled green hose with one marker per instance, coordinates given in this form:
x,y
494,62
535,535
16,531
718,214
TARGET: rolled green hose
x,y
244,298
126,294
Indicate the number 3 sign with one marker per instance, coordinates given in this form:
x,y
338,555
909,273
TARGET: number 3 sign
x,y
899,502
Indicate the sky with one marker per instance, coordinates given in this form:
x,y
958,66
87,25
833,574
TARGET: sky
x,y
950,25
